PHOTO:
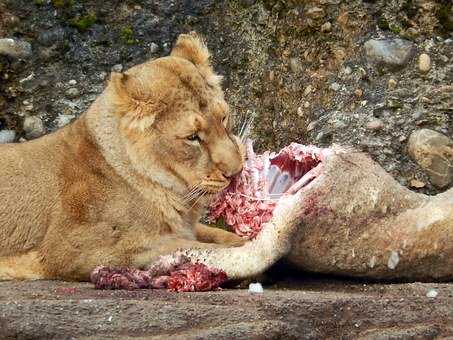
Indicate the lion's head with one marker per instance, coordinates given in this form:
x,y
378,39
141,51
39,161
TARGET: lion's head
x,y
175,122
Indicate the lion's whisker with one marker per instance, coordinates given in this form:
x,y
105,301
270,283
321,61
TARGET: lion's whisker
x,y
245,131
192,189
196,201
193,193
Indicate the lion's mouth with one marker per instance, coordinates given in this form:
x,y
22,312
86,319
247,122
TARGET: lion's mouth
x,y
250,199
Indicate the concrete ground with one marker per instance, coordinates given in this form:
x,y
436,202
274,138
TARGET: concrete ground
x,y
302,308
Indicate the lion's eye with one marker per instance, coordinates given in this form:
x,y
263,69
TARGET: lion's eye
x,y
194,138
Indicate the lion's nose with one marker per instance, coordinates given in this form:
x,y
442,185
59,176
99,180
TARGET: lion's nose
x,y
230,175
229,169
227,157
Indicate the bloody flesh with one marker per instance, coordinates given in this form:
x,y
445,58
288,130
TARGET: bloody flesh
x,y
250,199
185,278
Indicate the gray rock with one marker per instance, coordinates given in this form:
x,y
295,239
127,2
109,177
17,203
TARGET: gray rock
x,y
153,48
434,153
262,15
63,120
52,36
15,48
390,53
315,13
375,124
424,63
335,86
34,127
295,65
72,93
7,136
326,27
117,68
248,3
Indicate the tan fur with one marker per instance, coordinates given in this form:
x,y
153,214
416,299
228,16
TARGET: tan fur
x,y
110,188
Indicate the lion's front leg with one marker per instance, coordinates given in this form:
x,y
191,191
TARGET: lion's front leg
x,y
27,266
218,236
74,254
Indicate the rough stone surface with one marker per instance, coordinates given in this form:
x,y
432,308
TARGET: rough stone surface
x,y
375,124
304,308
424,63
15,48
72,93
253,43
389,53
34,127
433,151
7,136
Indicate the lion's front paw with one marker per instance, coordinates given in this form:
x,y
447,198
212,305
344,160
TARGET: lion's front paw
x,y
232,240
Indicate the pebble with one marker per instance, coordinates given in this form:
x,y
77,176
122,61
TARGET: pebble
x,y
102,75
262,16
248,2
72,82
300,112
117,68
417,114
392,84
433,151
392,53
294,65
358,93
415,183
153,48
315,13
52,36
362,73
424,63
63,120
7,136
393,103
256,288
312,125
72,93
372,262
321,136
18,49
432,293
335,86
412,33
326,27
33,127
375,124
393,261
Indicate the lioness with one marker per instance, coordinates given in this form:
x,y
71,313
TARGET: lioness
x,y
128,180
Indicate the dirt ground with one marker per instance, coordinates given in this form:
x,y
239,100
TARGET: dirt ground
x,y
302,308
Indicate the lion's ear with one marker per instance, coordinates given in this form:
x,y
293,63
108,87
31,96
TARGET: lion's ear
x,y
134,112
118,82
191,47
